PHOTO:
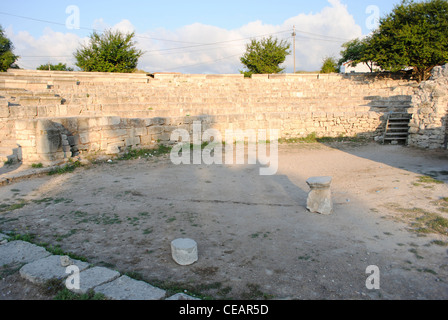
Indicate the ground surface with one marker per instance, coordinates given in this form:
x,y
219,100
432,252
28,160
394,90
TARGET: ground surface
x,y
255,237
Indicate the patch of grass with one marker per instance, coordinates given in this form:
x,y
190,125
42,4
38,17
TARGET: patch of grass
x,y
12,207
7,270
43,200
60,200
312,138
69,167
443,203
9,162
423,221
64,236
37,165
439,243
145,153
427,271
58,251
414,251
169,220
428,179
254,292
66,294
254,235
52,287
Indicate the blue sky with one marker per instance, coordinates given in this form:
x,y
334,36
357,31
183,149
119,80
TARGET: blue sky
x,y
195,21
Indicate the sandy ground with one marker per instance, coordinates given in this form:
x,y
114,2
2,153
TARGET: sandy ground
x,y
256,239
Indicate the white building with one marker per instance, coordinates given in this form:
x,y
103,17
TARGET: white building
x,y
360,68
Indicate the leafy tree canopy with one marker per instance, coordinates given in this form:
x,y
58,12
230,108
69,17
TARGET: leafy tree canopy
x,y
330,65
7,57
109,52
55,67
414,34
357,51
265,56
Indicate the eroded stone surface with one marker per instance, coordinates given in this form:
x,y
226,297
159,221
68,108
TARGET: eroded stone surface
x,y
319,198
184,251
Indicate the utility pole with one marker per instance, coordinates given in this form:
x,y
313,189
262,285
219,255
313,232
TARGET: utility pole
x,y
294,40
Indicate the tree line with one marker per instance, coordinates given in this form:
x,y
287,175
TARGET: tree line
x,y
414,36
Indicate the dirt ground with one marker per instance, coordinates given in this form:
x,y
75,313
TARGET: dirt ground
x,y
256,239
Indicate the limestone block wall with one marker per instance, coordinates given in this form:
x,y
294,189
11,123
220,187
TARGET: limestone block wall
x,y
429,124
50,115
56,140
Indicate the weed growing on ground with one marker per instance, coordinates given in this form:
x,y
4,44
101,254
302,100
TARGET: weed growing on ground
x,y
69,167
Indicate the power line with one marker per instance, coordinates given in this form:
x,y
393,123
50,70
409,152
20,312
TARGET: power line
x,y
88,29
325,37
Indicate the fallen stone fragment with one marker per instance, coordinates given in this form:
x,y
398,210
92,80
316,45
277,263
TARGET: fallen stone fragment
x,y
319,198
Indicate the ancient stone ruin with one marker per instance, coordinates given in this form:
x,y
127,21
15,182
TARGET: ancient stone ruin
x,y
47,117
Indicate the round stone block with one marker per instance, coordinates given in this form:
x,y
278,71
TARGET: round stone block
x,y
184,251
319,182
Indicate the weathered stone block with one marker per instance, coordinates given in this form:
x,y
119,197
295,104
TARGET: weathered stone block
x,y
184,251
319,198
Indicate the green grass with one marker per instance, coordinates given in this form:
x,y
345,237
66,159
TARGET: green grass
x,y
12,207
421,220
312,138
37,165
65,294
428,179
145,153
70,167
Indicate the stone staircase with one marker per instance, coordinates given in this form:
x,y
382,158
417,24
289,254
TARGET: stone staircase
x,y
397,128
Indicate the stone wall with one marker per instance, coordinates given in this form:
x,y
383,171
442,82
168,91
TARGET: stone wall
x,y
52,115
53,141
428,127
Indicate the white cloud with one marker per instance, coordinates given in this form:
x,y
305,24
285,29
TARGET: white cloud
x,y
53,47
318,35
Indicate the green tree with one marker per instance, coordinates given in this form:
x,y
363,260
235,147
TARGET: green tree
x,y
265,56
55,67
357,51
109,52
414,35
7,57
329,65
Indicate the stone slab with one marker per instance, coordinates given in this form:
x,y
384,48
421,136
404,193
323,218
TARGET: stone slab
x,y
21,252
319,182
3,238
93,277
182,296
48,268
126,288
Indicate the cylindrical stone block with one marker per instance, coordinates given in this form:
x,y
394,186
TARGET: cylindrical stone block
x,y
319,199
184,251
